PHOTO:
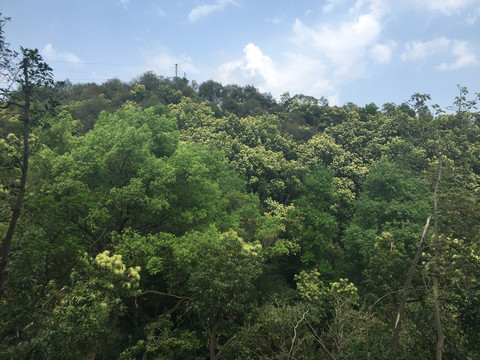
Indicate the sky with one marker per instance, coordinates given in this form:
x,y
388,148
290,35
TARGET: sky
x,y
358,51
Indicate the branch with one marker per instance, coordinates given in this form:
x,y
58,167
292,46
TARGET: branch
x,y
10,103
175,308
84,228
165,294
295,332
466,256
224,346
319,340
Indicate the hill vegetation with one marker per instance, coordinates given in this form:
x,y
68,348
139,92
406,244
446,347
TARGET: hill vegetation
x,y
164,219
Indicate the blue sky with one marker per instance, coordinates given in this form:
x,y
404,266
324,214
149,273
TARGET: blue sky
x,y
358,51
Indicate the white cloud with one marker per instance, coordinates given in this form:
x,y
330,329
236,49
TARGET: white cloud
x,y
382,53
446,7
299,73
463,54
207,9
321,58
417,50
253,67
458,49
345,46
51,54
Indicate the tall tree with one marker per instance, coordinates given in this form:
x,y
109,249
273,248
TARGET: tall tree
x,y
34,73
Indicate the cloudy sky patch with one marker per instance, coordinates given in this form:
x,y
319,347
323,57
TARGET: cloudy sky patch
x,y
358,51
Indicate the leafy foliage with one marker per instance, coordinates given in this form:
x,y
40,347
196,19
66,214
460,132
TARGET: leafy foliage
x,y
169,220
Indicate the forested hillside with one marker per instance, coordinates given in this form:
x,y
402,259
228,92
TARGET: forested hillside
x,y
164,219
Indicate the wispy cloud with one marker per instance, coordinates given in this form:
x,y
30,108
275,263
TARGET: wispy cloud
x,y
274,21
162,61
460,50
159,11
418,50
124,3
464,56
52,54
165,63
382,53
446,7
473,16
207,9
330,5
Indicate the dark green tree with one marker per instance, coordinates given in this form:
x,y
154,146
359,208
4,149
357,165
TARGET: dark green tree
x,y
389,202
318,227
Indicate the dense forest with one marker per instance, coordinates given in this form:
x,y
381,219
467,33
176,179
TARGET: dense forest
x,y
165,219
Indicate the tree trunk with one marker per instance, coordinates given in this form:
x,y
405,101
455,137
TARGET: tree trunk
x,y
212,340
17,207
436,284
212,335
92,352
438,321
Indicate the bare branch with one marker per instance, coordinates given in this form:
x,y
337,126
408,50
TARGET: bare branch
x,y
408,281
165,294
295,332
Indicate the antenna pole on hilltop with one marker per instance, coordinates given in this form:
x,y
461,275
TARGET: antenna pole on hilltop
x,y
176,71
